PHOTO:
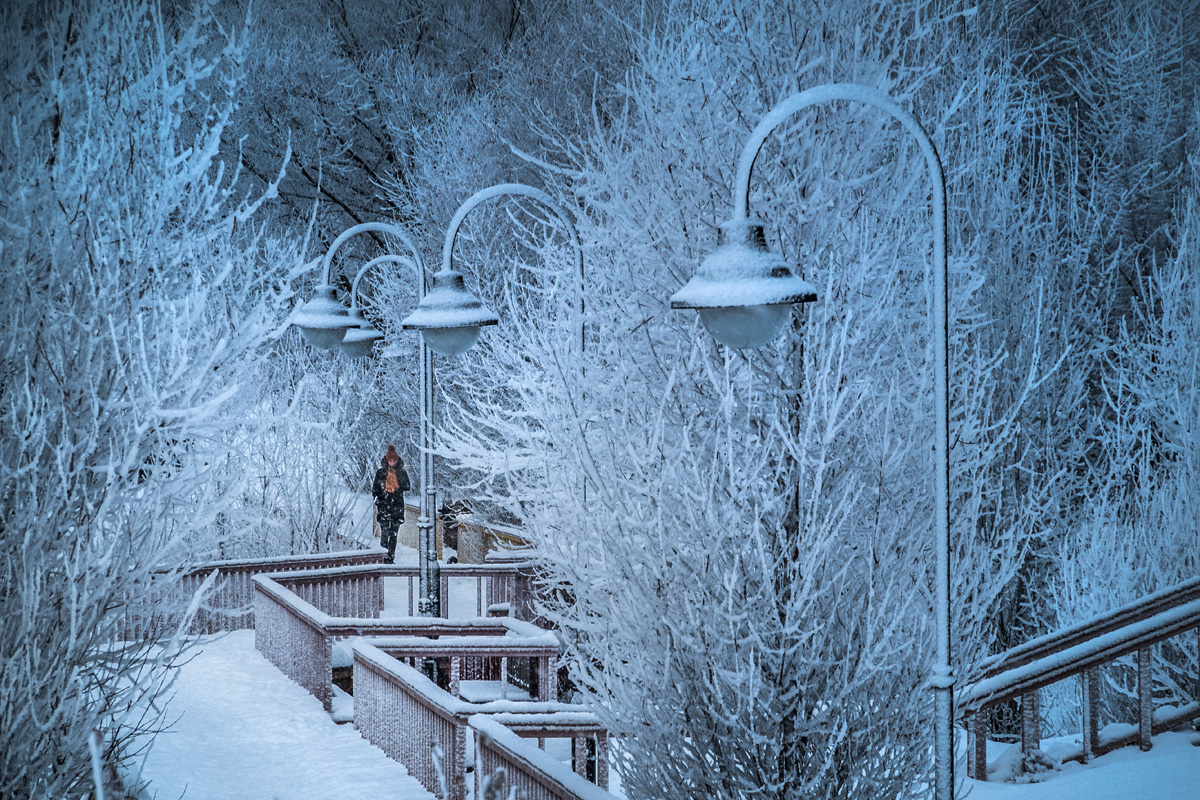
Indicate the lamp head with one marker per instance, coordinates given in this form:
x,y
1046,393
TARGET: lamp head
x,y
323,320
742,290
360,339
449,317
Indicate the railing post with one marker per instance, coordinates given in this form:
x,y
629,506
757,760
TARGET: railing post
x,y
1089,681
602,760
444,599
1145,697
455,675
1031,723
458,762
579,745
977,730
544,680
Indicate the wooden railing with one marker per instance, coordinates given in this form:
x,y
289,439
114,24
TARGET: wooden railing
x,y
1081,650
496,583
527,769
485,660
297,636
426,728
230,605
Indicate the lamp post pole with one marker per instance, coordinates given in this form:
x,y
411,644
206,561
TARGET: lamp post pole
x,y
730,262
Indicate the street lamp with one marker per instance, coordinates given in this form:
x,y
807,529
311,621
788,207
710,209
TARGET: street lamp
x,y
362,335
742,293
325,327
449,317
323,320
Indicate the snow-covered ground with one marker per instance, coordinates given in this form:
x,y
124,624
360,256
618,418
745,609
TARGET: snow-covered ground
x,y
1169,771
245,732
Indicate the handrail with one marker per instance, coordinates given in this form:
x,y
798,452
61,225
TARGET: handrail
x,y
230,604
371,555
1101,624
496,744
1036,674
297,636
486,658
1080,650
507,581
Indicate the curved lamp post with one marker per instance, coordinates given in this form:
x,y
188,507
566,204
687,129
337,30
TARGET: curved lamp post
x,y
449,317
325,327
742,292
361,337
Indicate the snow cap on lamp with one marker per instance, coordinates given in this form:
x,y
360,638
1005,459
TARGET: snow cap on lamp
x,y
449,317
742,290
323,320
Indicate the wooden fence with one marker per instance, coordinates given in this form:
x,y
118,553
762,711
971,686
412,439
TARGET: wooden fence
x,y
527,769
229,605
296,634
1081,651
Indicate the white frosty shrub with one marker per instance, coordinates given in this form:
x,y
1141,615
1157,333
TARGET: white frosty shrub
x,y
134,294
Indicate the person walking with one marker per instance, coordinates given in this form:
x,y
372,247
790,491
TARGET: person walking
x,y
391,482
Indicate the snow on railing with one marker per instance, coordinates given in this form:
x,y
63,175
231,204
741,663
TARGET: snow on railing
x,y
426,728
1081,650
353,591
479,665
496,583
230,605
290,633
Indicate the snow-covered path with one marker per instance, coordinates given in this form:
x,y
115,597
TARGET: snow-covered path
x,y
245,732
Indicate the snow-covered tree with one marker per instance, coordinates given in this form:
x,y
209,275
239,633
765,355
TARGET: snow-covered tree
x,y
737,545
1142,517
135,293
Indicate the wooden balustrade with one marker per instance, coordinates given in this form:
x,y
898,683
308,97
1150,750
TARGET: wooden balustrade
x,y
1081,651
410,718
478,659
500,744
230,604
495,583
297,636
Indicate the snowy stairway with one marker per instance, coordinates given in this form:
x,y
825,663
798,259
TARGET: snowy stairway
x,y
310,623
1081,651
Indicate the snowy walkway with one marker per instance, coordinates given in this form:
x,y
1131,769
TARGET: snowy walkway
x,y
245,732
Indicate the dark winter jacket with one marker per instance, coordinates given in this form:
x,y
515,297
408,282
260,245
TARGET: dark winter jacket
x,y
390,506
